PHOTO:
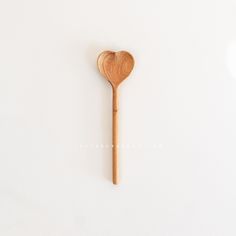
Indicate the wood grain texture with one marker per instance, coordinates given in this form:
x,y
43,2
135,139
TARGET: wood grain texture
x,y
115,67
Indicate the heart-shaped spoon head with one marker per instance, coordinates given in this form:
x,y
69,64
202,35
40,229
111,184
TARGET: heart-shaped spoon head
x,y
115,66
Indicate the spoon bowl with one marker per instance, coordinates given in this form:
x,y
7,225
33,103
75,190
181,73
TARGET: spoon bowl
x,y
115,66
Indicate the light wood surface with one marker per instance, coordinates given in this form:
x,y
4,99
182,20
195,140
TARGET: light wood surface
x,y
115,67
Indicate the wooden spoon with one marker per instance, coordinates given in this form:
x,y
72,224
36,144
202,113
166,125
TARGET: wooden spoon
x,y
115,67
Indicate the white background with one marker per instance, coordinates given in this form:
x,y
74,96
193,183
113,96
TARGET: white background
x,y
177,118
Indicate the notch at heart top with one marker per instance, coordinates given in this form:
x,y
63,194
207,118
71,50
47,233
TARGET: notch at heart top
x,y
115,66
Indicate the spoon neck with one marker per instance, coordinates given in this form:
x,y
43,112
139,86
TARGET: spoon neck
x,y
114,88
115,99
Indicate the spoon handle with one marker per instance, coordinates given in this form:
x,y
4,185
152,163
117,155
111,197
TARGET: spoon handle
x,y
115,136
